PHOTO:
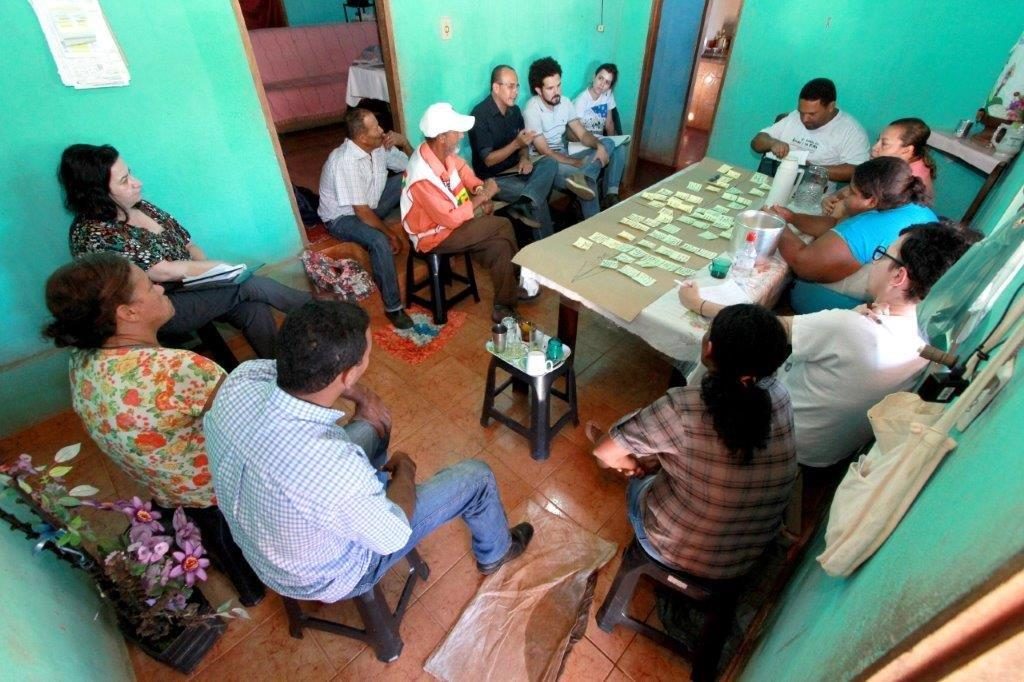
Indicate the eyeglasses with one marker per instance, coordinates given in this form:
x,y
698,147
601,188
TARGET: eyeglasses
x,y
881,252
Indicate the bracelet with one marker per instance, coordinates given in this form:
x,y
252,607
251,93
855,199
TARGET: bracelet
x,y
700,310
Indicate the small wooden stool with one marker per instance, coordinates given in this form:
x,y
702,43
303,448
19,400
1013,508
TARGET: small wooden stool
x,y
380,623
440,274
539,431
715,598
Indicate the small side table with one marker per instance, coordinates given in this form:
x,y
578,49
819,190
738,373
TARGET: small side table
x,y
975,155
540,430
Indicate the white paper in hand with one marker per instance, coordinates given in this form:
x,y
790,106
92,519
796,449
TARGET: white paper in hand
x,y
725,293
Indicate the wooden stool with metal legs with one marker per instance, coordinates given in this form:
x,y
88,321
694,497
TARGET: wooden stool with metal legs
x,y
439,276
380,624
715,598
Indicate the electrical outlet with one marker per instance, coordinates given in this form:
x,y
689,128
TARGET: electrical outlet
x,y
600,28
446,28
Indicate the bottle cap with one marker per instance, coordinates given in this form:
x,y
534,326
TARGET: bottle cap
x,y
751,237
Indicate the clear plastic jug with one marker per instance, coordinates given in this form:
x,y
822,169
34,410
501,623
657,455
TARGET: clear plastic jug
x,y
811,190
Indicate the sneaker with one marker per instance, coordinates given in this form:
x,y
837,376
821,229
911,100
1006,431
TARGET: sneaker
x,y
578,185
521,536
399,319
500,312
522,214
525,296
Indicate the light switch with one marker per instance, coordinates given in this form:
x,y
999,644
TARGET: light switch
x,y
446,28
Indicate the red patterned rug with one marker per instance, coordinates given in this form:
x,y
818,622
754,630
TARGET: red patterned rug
x,y
423,340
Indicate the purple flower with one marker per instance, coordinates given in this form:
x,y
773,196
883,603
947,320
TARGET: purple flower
x,y
184,530
23,465
190,564
150,548
141,513
177,602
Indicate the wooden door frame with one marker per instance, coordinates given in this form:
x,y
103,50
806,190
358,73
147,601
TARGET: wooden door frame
x,y
386,37
653,27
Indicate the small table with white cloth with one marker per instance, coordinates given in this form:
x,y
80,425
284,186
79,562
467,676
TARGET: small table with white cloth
x,y
366,81
575,263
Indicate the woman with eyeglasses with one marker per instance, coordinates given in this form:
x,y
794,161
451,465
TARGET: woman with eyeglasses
x,y
833,384
884,198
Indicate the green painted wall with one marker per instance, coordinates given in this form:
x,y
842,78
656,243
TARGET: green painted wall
x,y
889,59
191,127
458,70
307,12
55,626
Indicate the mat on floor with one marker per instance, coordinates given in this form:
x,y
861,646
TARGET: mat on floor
x,y
525,618
423,340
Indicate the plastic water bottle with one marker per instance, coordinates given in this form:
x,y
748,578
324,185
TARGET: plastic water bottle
x,y
743,262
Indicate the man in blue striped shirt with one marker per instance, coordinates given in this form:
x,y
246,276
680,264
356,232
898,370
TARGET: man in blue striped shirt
x,y
309,501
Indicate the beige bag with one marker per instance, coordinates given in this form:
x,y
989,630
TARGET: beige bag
x,y
912,437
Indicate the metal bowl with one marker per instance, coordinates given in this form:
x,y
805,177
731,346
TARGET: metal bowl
x,y
767,226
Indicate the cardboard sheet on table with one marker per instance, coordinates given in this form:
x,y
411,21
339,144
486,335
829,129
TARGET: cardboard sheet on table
x,y
556,259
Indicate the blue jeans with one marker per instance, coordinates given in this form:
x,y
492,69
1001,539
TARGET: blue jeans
x,y
591,169
467,489
349,228
635,492
534,187
613,171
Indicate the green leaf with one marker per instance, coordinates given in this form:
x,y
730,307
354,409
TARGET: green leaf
x,y
57,472
76,523
25,486
69,502
225,606
240,612
64,539
67,453
83,491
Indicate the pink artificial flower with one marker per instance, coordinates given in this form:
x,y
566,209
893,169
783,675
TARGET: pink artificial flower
x,y
191,564
141,513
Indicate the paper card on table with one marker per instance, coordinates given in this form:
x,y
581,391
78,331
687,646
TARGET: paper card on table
x,y
626,235
735,205
648,262
663,250
704,253
624,258
688,220
675,203
744,201
685,272
672,240
651,222
639,226
637,253
691,248
734,174
724,168
694,186
619,246
726,293
726,234
629,270
650,196
598,237
686,208
713,188
707,234
583,243
723,182
668,266
658,234
671,229
656,204
647,243
643,279
701,225
665,192
759,178
610,263
679,257
729,196
720,209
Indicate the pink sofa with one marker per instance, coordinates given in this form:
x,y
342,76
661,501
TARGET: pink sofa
x,y
304,69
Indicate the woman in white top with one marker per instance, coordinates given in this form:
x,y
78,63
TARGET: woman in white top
x,y
594,107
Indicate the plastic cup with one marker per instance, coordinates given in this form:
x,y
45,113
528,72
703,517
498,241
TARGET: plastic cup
x,y
720,267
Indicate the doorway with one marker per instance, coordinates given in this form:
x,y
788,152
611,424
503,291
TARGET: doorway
x,y
682,78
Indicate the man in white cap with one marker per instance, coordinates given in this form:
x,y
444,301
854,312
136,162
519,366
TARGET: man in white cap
x,y
447,209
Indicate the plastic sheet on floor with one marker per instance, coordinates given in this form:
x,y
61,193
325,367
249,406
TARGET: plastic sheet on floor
x,y
525,618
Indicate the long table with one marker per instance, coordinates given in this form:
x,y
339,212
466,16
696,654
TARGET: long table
x,y
651,309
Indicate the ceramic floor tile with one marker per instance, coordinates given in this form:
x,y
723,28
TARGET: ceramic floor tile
x,y
585,663
588,495
441,550
646,660
340,651
617,675
271,653
446,600
420,636
219,589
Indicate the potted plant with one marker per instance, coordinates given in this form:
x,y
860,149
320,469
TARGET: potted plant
x,y
148,573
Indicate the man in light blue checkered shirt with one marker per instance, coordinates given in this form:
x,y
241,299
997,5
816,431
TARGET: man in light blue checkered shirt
x,y
308,501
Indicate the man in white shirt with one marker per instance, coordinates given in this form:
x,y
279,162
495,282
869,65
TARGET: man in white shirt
x,y
845,361
549,115
356,195
831,137
594,107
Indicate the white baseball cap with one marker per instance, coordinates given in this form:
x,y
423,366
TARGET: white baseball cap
x,y
442,117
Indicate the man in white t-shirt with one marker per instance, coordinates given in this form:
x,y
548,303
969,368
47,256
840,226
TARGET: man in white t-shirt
x,y
594,107
831,137
845,361
549,115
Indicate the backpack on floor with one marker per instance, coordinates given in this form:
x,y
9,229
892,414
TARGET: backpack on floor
x,y
342,278
308,202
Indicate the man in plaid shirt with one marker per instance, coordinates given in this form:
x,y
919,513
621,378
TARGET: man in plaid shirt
x,y
310,502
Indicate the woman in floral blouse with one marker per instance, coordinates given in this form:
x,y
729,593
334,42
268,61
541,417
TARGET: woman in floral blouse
x,y
110,215
143,404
